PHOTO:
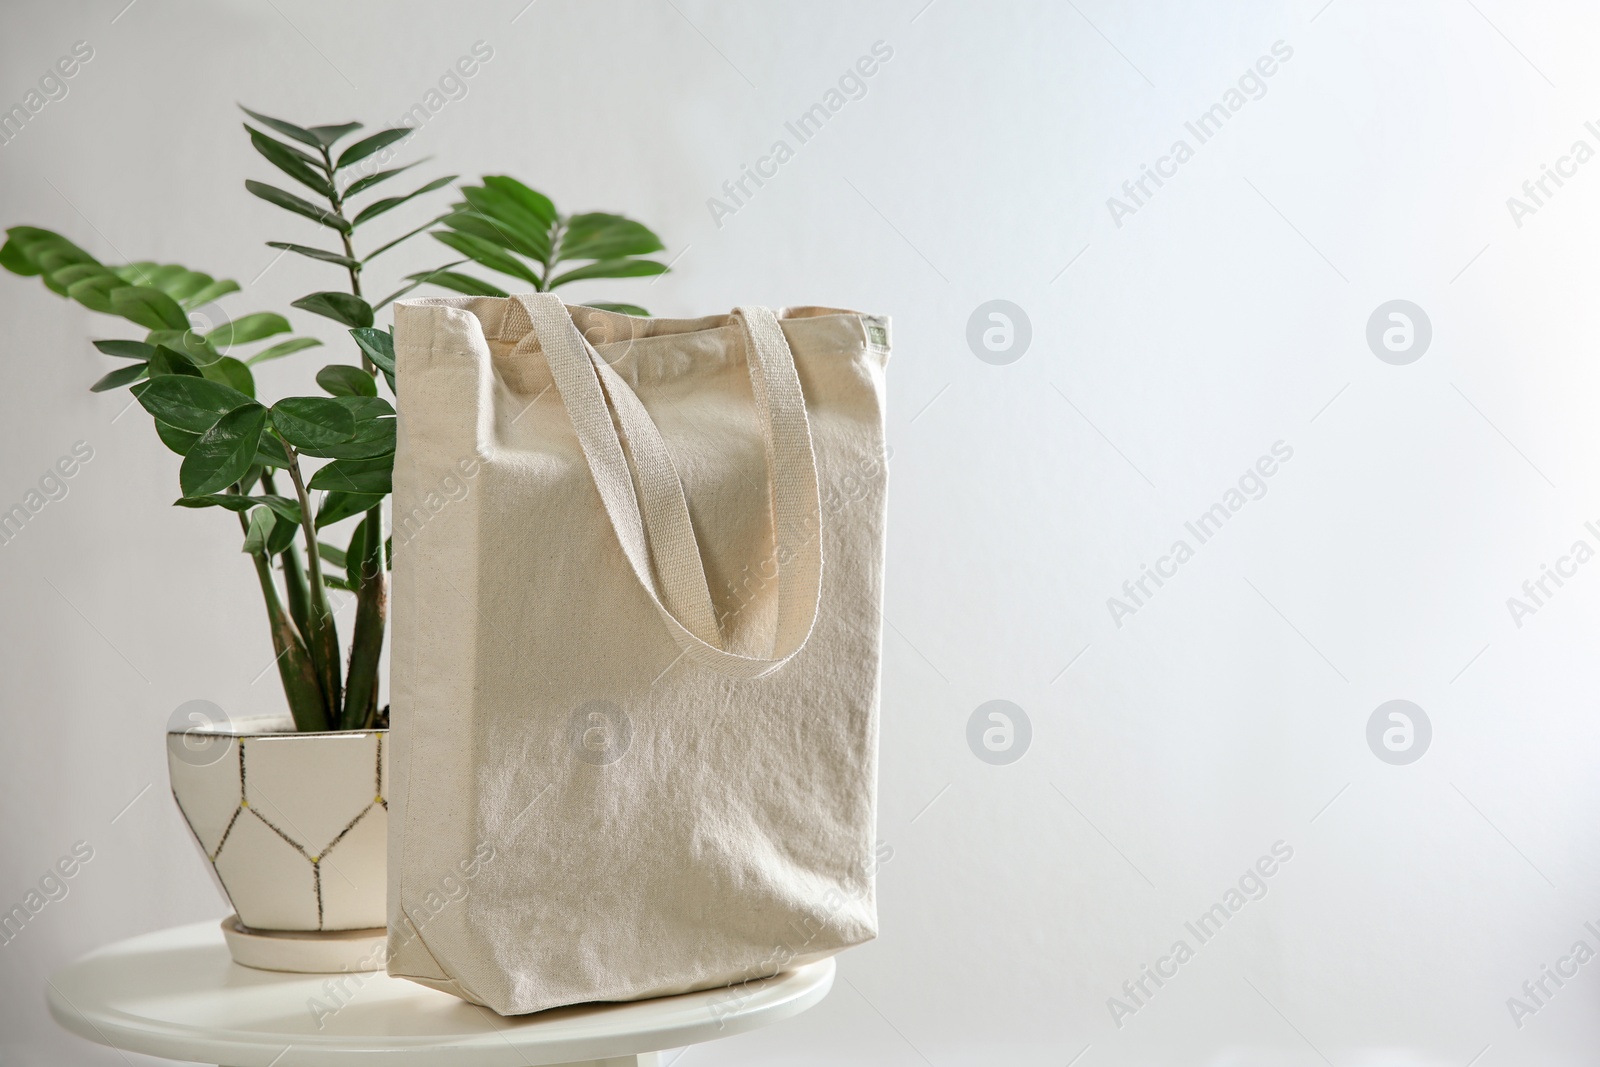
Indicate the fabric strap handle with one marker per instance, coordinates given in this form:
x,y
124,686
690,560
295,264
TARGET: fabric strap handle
x,y
652,523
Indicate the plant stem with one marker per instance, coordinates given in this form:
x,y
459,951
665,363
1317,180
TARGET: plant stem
x,y
295,590
295,672
366,644
344,236
324,637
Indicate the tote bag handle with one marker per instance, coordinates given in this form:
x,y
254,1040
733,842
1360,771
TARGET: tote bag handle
x,y
652,523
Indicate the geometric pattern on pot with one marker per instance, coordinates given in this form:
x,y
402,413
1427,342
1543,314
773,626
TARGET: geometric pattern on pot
x,y
294,825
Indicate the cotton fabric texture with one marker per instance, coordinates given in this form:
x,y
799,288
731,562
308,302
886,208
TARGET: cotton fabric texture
x,y
638,574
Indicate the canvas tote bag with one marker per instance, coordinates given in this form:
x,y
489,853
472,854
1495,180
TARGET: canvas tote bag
x,y
636,630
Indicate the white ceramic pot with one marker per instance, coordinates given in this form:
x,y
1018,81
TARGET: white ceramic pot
x,y
293,825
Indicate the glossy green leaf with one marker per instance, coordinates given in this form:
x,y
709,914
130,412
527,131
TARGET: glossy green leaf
x,y
230,371
193,404
377,344
270,451
126,349
120,377
337,506
293,162
374,435
299,205
247,328
368,145
612,268
190,342
224,452
179,441
283,534
341,379
283,506
340,307
317,253
167,360
288,129
378,207
370,476
312,421
149,307
331,553
283,348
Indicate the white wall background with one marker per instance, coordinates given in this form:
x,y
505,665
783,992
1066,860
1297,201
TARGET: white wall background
x,y
1227,314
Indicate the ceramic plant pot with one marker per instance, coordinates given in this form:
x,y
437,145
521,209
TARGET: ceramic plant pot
x,y
293,826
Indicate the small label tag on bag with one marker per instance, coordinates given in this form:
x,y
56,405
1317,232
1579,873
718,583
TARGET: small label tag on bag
x,y
877,333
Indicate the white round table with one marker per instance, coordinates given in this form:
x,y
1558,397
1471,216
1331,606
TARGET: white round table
x,y
176,993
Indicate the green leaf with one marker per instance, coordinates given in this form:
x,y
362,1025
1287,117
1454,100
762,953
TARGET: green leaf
x,y
498,230
293,162
375,430
230,371
317,253
170,361
370,256
377,344
327,135
283,348
487,254
120,377
256,535
190,342
612,268
356,555
30,250
535,203
224,452
340,307
281,505
282,536
331,553
193,404
300,206
378,207
95,292
361,185
248,328
149,307
337,506
341,379
270,451
312,421
368,145
622,309
288,129
215,291
458,282
126,349
597,235
370,476
180,441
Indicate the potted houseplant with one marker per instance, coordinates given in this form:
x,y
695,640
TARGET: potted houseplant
x,y
290,811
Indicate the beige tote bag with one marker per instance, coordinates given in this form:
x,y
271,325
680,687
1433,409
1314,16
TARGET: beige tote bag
x,y
637,583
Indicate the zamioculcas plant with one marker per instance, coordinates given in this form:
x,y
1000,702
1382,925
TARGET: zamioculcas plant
x,y
256,459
